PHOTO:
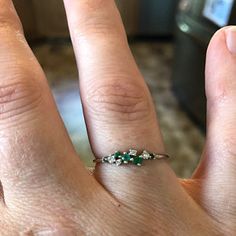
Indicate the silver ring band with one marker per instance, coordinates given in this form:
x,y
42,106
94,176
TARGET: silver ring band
x,y
131,157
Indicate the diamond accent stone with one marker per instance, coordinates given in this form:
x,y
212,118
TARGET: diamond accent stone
x,y
118,162
133,152
146,155
111,159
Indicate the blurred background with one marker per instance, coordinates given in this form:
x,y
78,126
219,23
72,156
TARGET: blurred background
x,y
169,41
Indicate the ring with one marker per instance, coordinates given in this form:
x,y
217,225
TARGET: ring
x,y
131,157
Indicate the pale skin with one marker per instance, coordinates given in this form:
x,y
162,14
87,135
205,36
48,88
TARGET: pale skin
x,y
46,188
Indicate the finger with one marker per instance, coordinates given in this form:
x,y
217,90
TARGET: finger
x,y
118,107
34,147
218,168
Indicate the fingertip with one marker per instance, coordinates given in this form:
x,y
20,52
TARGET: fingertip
x,y
220,64
217,45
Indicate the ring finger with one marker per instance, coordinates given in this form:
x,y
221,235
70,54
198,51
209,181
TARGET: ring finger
x,y
118,107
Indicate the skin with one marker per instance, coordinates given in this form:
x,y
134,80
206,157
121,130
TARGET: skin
x,y
45,188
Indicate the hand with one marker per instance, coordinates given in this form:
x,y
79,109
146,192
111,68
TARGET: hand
x,y
45,187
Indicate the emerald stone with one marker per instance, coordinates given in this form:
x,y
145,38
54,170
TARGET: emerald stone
x,y
117,155
126,158
138,161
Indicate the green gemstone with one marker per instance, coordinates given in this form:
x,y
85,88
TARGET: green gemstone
x,y
117,155
126,158
138,161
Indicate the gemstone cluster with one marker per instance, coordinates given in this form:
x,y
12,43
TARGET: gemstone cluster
x,y
130,157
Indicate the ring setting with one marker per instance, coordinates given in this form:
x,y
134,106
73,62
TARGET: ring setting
x,y
131,157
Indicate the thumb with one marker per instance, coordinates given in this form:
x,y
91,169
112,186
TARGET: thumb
x,y
218,168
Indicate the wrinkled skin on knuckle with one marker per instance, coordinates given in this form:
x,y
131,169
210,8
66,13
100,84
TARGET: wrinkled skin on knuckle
x,y
119,101
94,5
8,17
91,7
100,31
18,97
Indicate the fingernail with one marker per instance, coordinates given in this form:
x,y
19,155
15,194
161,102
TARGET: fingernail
x,y
231,39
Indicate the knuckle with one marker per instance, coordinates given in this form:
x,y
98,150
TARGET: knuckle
x,y
119,101
18,97
98,30
219,91
9,21
91,5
